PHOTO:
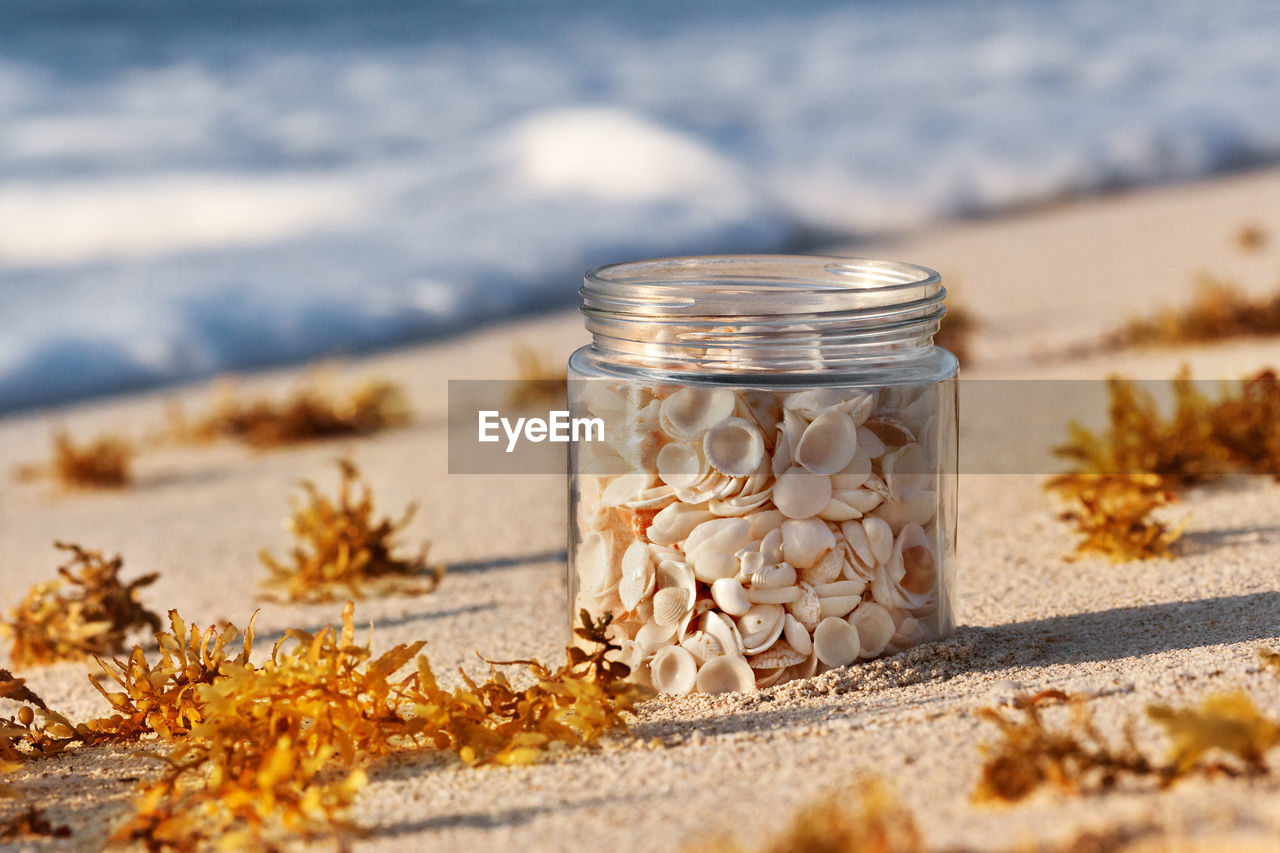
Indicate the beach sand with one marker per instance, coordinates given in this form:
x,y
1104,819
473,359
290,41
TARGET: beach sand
x,y
699,768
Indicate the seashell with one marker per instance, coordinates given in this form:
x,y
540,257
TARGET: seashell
x,y
835,642
807,609
917,509
681,465
730,597
703,646
598,573
774,595
710,547
769,677
876,485
604,398
673,670
909,578
879,537
875,627
713,486
760,627
652,498
690,412
799,494
742,504
670,605
781,460
776,575
864,556
837,599
806,669
771,545
762,522
812,404
905,471
734,447
841,509
797,635
591,515
762,407
854,474
723,629
891,431
828,569
870,443
666,552
637,575
779,656
675,574
920,410
653,636
827,445
726,674
749,562
805,542
910,632
625,487
675,522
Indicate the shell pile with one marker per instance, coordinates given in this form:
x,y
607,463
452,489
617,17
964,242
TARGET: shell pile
x,y
758,536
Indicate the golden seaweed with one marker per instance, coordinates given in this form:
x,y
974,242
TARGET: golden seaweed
x,y
538,380
342,551
86,610
1218,310
1112,514
103,463
1227,724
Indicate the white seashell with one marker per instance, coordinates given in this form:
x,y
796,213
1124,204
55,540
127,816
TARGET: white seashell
x,y
666,552
807,609
726,674
652,498
703,646
675,574
762,522
910,632
730,597
854,474
625,487
806,669
905,471
863,500
812,404
680,465
670,605
875,628
637,575
781,460
890,430
690,412
742,504
771,545
778,656
797,635
879,537
723,629
909,578
734,447
762,407
840,509
604,398
799,494
675,522
827,445
769,677
920,410
760,627
855,534
673,670
839,598
653,636
870,443
774,595
710,548
777,575
917,509
760,479
598,571
835,642
805,542
749,562
828,569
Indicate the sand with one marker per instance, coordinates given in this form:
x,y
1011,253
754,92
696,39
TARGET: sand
x,y
700,768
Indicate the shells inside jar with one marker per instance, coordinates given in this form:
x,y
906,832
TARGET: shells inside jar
x,y
762,535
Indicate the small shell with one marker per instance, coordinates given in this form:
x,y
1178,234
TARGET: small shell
x,y
797,635
774,595
690,412
917,509
710,548
807,609
806,669
841,509
805,542
742,504
749,562
680,465
799,494
763,522
723,629
827,445
891,431
879,537
771,546
703,646
726,674
670,604
625,487
854,474
730,597
835,642
760,627
769,677
673,670
828,569
905,471
734,447
870,443
653,636
676,574
637,575
777,575
909,578
838,598
674,523
875,627
855,533
597,571
779,655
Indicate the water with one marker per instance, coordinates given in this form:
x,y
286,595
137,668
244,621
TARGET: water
x,y
187,189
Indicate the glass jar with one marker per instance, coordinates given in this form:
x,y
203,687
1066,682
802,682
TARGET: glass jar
x,y
775,491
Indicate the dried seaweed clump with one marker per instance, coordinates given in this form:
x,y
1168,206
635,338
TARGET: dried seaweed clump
x,y
1225,734
278,745
31,823
1218,310
538,380
103,463
1252,237
87,610
342,551
309,414
878,824
1112,513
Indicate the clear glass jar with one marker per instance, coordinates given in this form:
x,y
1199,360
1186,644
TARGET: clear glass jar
x,y
775,494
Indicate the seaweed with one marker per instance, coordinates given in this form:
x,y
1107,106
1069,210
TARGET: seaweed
x,y
538,380
1112,513
103,463
1218,310
86,610
1252,238
31,823
342,551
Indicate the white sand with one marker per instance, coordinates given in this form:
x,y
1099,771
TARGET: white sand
x,y
1160,631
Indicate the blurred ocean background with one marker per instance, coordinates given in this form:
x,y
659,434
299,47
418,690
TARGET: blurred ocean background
x,y
193,188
